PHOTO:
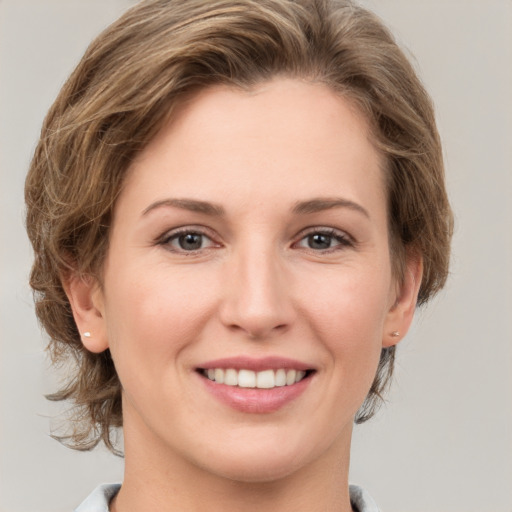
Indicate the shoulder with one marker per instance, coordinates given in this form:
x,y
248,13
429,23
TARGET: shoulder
x,y
361,500
99,500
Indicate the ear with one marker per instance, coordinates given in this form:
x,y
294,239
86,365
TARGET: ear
x,y
86,299
401,313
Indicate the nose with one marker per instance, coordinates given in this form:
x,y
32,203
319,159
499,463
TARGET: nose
x,y
257,299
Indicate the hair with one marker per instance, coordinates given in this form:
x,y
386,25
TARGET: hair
x,y
126,87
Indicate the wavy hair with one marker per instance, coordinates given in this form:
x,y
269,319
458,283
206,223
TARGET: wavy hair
x,y
127,85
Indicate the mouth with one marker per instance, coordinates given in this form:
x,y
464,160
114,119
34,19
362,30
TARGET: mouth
x,y
264,379
256,385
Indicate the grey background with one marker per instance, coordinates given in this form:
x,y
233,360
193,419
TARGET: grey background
x,y
444,441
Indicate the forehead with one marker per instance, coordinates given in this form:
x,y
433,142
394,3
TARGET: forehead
x,y
255,141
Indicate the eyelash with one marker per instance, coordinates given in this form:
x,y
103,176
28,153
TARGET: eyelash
x,y
173,235
343,240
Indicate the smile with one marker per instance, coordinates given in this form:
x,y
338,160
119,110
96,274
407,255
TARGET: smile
x,y
244,378
260,385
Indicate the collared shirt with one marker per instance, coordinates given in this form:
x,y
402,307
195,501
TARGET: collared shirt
x,y
99,500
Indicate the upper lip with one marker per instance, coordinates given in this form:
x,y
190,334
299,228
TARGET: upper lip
x,y
256,364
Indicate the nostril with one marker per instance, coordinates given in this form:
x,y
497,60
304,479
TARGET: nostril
x,y
257,330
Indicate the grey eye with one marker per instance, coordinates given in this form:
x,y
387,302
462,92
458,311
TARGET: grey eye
x,y
190,241
325,240
319,241
187,241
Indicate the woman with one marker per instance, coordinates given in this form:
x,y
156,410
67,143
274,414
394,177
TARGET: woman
x,y
235,208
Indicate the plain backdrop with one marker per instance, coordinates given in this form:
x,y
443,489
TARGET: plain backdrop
x,y
443,443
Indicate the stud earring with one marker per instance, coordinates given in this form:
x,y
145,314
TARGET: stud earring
x,y
87,334
395,334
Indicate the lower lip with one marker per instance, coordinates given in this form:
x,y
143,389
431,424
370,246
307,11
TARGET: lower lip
x,y
254,400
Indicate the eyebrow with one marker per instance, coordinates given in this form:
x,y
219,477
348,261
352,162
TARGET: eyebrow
x,y
300,208
321,204
192,205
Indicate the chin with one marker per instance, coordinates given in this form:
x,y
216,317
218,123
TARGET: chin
x,y
262,460
260,469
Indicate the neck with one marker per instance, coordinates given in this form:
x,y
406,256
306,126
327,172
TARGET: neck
x,y
294,493
157,479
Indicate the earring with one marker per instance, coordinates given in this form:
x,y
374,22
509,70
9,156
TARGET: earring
x,y
87,334
395,334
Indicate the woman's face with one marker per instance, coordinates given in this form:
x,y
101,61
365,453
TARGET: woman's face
x,y
249,245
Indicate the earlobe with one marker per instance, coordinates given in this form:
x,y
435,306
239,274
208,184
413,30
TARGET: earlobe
x,y
401,313
86,300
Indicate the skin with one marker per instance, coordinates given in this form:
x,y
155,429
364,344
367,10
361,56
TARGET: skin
x,y
258,284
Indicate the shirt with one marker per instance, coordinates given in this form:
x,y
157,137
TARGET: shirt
x,y
99,500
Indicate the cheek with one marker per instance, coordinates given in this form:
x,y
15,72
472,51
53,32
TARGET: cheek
x,y
154,314
348,313
350,302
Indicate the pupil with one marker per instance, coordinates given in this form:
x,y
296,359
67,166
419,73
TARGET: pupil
x,y
319,241
190,241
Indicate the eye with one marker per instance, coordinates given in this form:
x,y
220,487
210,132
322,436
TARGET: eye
x,y
187,240
325,240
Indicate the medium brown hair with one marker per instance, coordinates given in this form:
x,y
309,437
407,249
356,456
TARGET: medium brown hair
x,y
127,85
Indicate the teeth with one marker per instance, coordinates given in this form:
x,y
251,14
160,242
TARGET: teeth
x,y
290,377
280,379
266,379
246,379
231,377
219,375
